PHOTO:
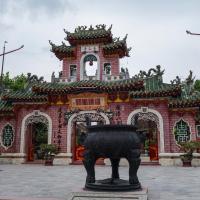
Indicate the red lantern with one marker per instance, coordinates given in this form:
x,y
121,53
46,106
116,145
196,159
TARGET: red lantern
x,y
91,63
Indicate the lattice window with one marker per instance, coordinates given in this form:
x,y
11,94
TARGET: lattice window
x,y
182,131
7,137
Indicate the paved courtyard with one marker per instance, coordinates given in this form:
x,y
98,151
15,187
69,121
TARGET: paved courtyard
x,y
37,181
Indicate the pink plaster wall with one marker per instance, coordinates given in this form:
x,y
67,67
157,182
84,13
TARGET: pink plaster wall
x,y
169,119
52,111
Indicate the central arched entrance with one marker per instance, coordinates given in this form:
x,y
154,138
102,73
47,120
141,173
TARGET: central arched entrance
x,y
77,132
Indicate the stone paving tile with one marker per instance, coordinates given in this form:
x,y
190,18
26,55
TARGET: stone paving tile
x,y
37,181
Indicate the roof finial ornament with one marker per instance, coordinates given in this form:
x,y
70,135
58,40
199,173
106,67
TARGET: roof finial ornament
x,y
129,49
80,28
66,31
51,43
63,43
91,28
109,29
124,39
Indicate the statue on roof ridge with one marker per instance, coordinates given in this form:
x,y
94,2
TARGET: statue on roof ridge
x,y
91,28
176,81
151,72
63,43
157,71
116,39
80,28
190,79
101,26
34,78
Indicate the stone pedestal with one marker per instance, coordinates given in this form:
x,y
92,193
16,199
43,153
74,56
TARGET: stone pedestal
x,y
92,195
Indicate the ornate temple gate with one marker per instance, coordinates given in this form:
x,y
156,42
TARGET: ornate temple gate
x,y
28,132
79,132
150,122
83,107
33,123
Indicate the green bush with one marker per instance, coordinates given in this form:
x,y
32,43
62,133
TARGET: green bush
x,y
48,150
189,148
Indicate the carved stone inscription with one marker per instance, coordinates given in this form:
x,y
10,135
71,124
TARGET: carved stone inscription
x,y
89,48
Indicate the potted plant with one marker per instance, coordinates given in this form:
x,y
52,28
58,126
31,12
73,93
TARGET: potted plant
x,y
188,148
49,151
146,147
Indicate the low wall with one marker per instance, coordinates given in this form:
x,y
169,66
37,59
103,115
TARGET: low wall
x,y
12,158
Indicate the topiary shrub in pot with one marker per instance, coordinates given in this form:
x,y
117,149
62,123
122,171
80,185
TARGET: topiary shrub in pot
x,y
49,151
188,148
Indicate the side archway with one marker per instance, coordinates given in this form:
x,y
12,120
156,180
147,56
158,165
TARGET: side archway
x,y
160,124
70,123
35,116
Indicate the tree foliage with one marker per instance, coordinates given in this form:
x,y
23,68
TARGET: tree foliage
x,y
197,85
19,82
16,83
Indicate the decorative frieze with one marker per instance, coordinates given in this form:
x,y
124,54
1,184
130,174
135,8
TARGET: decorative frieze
x,y
36,119
68,114
93,117
146,116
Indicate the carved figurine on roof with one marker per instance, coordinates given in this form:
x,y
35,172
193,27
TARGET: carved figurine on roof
x,y
151,72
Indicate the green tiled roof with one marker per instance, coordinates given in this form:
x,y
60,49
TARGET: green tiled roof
x,y
154,87
91,85
5,106
27,96
191,101
119,46
85,33
63,50
91,35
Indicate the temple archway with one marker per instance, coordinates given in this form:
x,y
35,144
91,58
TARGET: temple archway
x,y
36,117
155,117
79,119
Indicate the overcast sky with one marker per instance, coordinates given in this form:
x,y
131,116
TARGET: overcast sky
x,y
156,32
